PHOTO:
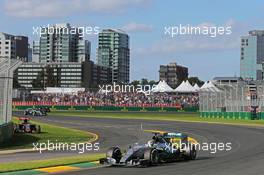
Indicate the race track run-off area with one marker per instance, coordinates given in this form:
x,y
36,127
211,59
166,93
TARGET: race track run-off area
x,y
245,158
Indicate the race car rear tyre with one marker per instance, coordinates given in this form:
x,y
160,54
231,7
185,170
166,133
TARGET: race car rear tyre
x,y
191,154
152,156
115,153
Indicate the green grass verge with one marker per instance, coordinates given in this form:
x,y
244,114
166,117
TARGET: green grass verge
x,y
28,165
49,132
186,117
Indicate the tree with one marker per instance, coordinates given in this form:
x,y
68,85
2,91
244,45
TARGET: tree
x,y
196,80
152,82
144,81
135,83
16,84
45,78
51,79
39,81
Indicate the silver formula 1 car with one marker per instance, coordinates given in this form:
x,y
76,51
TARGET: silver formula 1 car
x,y
162,148
35,112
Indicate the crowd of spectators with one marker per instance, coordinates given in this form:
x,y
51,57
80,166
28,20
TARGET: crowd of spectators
x,y
119,99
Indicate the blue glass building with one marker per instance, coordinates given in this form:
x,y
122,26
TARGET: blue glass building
x,y
252,55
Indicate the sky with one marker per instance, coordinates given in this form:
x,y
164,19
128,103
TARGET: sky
x,y
145,22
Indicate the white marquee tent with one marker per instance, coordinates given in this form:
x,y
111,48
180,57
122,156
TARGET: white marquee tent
x,y
185,87
204,85
162,86
196,87
210,87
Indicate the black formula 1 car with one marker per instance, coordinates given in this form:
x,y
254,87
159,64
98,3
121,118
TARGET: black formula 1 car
x,y
26,127
35,112
164,147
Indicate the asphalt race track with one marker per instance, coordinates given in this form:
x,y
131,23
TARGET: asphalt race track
x,y
245,158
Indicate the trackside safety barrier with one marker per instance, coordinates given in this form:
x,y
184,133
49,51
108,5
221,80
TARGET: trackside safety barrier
x,y
232,115
112,108
262,115
6,131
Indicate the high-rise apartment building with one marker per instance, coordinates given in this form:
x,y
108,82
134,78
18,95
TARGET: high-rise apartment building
x,y
252,55
22,47
173,74
35,51
62,43
113,52
13,46
83,50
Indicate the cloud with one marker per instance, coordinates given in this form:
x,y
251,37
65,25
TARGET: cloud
x,y
38,8
170,46
114,5
58,8
136,27
197,43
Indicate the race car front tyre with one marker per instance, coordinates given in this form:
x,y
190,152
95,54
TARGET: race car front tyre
x,y
38,129
16,128
193,154
152,156
115,153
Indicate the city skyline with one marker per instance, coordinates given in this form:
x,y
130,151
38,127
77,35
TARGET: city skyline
x,y
149,46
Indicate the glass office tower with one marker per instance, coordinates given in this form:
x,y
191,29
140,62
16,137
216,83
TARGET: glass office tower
x,y
252,55
113,52
63,43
